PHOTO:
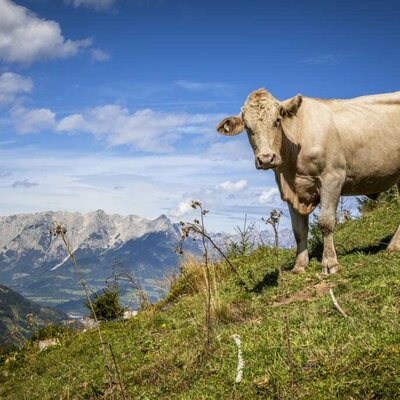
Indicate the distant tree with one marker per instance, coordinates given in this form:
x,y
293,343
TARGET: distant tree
x,y
107,305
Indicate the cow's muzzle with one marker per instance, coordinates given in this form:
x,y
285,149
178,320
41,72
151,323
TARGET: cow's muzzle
x,y
267,161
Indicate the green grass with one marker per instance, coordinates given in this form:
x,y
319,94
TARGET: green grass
x,y
161,353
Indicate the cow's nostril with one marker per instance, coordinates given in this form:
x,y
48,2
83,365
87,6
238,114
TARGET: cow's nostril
x,y
267,160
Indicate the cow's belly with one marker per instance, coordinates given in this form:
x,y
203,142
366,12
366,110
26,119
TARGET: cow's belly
x,y
363,185
372,164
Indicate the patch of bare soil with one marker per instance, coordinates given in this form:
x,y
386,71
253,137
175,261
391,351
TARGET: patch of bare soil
x,y
309,293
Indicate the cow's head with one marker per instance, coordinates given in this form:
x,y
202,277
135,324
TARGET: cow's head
x,y
262,117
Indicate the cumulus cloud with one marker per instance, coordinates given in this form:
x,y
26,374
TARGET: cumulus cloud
x,y
25,184
25,38
146,130
184,207
229,186
12,85
269,196
97,5
33,120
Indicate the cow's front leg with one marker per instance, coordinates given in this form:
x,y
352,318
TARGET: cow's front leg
x,y
330,193
300,230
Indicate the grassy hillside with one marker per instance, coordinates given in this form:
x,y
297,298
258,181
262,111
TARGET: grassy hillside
x,y
15,327
295,343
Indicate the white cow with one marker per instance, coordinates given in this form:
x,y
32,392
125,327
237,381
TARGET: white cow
x,y
320,150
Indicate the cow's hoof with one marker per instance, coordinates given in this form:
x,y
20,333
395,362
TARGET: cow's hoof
x,y
333,270
329,266
330,271
298,270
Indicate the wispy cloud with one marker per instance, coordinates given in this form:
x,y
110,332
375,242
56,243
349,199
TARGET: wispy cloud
x,y
26,184
98,5
321,59
146,130
111,181
99,55
204,86
232,149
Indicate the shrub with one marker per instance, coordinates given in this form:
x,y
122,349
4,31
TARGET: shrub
x,y
107,305
315,239
52,331
366,204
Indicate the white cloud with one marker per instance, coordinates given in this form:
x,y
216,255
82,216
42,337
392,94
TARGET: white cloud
x,y
33,120
184,207
232,149
152,185
95,4
99,55
269,196
25,38
146,130
11,85
229,186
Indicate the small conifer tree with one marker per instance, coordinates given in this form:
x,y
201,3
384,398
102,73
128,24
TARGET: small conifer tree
x,y
107,305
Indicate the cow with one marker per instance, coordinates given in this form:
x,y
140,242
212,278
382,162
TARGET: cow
x,y
320,150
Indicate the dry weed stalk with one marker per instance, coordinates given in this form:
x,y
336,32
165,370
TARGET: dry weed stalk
x,y
60,231
199,227
120,272
195,228
336,304
273,220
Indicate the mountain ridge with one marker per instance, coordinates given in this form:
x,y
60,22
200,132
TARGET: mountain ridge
x,y
36,264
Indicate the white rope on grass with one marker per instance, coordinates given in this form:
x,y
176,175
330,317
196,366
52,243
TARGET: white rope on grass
x,y
240,366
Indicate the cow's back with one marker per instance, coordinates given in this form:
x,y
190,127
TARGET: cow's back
x,y
361,134
369,131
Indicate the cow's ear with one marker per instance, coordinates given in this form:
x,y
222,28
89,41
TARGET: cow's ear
x,y
290,107
231,126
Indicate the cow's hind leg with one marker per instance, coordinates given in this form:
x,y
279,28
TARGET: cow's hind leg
x,y
330,193
394,244
300,230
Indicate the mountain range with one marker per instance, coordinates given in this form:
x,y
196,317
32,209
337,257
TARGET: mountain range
x,y
35,262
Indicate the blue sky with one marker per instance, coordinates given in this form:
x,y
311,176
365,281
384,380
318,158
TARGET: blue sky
x,y
112,103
